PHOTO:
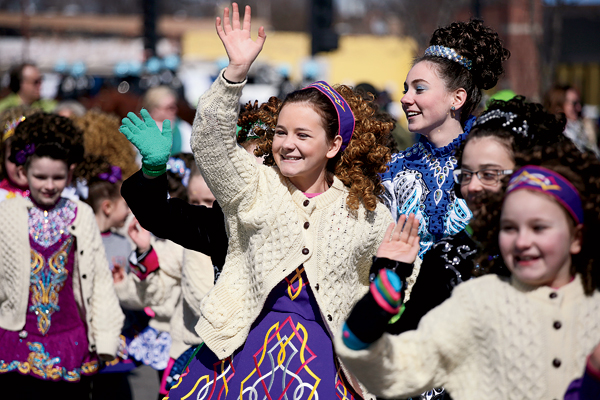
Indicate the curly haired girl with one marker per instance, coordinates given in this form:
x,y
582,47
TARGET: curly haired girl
x,y
302,229
60,313
525,335
442,90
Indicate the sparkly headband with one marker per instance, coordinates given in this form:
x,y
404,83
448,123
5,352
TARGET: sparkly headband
x,y
177,166
251,132
508,116
113,176
10,127
344,112
543,180
21,156
450,54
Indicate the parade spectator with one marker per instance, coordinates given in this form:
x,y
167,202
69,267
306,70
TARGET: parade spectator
x,y
25,85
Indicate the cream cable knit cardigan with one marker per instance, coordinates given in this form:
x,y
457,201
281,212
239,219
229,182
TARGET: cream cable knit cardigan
x,y
492,339
92,280
273,229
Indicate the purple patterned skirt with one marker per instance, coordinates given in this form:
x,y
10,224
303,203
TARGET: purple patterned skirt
x,y
288,355
53,345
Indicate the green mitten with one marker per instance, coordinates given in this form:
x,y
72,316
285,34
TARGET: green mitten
x,y
154,145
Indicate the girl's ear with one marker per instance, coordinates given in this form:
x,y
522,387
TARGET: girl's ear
x,y
575,247
70,175
21,173
335,146
458,98
107,207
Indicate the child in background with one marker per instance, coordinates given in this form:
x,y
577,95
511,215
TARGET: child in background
x,y
103,182
11,184
525,336
59,312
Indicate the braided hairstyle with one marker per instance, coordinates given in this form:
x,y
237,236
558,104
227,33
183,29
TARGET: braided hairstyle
x,y
477,43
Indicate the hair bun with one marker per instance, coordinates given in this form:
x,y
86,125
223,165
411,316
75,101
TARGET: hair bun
x,y
478,43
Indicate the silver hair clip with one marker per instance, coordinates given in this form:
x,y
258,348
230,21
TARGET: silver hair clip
x,y
450,54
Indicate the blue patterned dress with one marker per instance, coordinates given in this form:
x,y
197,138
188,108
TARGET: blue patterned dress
x,y
420,181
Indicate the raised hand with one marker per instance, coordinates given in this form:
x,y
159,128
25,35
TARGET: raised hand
x,y
240,48
154,145
401,241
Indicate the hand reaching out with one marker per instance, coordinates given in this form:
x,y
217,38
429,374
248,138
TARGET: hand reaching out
x,y
401,241
139,235
240,48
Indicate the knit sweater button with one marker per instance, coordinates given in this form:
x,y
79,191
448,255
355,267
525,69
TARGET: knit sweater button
x,y
557,325
305,251
317,287
84,276
306,203
306,225
556,363
329,317
553,295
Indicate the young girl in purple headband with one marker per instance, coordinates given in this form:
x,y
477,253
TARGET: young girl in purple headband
x,y
302,229
526,335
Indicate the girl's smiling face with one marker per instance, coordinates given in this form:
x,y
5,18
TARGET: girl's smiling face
x,y
300,147
426,99
47,179
537,239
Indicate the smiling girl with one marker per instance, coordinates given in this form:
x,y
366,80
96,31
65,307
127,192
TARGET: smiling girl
x,y
302,230
526,335
441,91
59,312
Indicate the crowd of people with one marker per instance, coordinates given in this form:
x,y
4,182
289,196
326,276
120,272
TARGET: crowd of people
x,y
288,250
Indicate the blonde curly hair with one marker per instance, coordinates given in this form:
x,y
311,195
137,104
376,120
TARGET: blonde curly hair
x,y
101,137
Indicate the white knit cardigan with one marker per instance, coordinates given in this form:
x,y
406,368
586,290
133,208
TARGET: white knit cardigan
x,y
274,228
493,339
92,280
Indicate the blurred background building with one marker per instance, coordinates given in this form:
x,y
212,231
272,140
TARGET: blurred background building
x,y
107,53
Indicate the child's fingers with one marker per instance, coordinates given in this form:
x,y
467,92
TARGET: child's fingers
x,y
135,120
148,120
235,18
247,19
226,21
399,226
388,233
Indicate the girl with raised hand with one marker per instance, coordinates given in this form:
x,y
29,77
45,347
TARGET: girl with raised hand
x,y
526,335
442,90
302,230
59,311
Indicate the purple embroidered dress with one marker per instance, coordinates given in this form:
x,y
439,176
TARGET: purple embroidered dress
x,y
288,354
53,345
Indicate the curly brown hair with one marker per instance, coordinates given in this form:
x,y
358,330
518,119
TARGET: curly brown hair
x,y
542,129
7,117
101,137
359,165
53,136
582,169
98,189
477,43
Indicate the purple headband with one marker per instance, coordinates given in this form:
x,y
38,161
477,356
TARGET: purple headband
x,y
21,156
344,112
113,176
543,180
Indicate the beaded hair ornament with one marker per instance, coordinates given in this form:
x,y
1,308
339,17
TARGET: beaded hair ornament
x,y
509,117
540,179
450,54
177,166
344,112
